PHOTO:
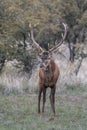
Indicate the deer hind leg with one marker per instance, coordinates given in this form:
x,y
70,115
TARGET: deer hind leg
x,y
52,100
39,99
44,98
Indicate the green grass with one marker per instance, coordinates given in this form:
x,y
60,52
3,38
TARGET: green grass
x,y
19,112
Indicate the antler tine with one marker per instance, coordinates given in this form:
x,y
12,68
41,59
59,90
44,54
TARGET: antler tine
x,y
32,37
65,26
62,40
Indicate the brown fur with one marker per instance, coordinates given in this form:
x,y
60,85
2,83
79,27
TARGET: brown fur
x,y
46,80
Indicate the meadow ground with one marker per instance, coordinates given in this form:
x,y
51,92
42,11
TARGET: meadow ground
x,y
19,111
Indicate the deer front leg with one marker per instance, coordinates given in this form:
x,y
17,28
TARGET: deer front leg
x,y
44,98
39,99
52,100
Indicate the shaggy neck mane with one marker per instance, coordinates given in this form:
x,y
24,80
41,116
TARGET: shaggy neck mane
x,y
52,64
50,68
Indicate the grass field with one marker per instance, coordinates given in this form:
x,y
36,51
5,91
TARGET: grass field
x,y
19,111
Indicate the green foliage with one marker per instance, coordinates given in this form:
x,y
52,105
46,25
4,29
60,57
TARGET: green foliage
x,y
74,14
73,11
2,56
27,59
46,16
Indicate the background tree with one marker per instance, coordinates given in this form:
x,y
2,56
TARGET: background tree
x,y
47,17
74,14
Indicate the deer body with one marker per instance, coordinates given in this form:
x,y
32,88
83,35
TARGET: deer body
x,y
48,78
48,71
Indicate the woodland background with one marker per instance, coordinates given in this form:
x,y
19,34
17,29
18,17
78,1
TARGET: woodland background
x,y
19,63
18,57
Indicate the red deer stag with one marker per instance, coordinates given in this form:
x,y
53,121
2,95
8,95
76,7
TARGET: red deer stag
x,y
48,71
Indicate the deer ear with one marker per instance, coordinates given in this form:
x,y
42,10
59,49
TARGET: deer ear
x,y
40,54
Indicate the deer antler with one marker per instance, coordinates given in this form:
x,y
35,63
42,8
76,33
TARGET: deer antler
x,y
32,37
62,40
